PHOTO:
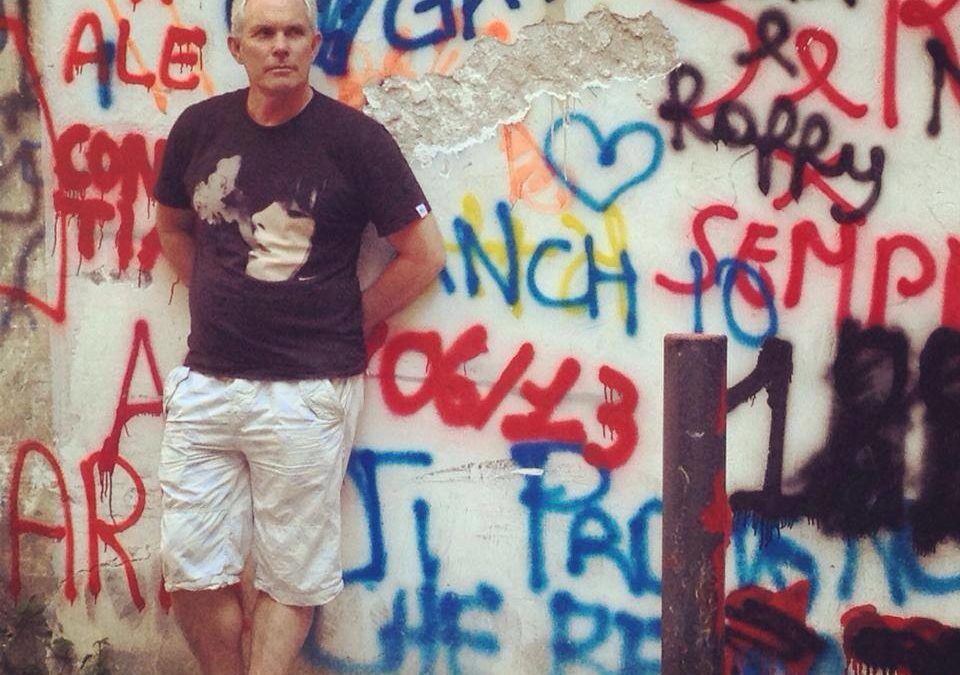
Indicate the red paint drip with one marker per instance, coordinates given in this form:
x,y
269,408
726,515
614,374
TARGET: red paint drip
x,y
717,518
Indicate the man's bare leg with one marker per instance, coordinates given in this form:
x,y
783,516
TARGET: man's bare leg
x,y
212,622
278,634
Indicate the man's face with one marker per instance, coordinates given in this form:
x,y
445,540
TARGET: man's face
x,y
276,45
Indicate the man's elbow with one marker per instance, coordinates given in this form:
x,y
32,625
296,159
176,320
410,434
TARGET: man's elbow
x,y
435,258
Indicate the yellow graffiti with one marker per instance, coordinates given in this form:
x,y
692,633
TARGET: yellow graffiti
x,y
615,229
472,213
606,252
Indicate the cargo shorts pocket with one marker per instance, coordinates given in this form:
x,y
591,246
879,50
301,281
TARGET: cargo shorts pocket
x,y
323,397
171,384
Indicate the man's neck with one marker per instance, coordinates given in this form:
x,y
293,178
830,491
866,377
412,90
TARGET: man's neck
x,y
273,110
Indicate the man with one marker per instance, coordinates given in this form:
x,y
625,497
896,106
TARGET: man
x,y
263,195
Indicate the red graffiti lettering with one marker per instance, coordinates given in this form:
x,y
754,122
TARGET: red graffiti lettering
x,y
458,400
177,51
819,73
460,403
106,165
537,424
127,410
749,251
951,286
771,625
20,526
145,79
75,59
913,14
906,287
615,414
427,344
806,238
706,250
99,530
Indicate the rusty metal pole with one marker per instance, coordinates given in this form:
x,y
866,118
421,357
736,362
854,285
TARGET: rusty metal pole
x,y
695,509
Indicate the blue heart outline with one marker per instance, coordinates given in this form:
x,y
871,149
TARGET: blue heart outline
x,y
607,156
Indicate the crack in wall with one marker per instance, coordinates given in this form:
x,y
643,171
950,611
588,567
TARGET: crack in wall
x,y
497,83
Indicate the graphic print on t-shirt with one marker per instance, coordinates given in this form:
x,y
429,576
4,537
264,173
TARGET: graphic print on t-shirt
x,y
279,236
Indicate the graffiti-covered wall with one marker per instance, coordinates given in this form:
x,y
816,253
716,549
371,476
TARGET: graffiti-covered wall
x,y
604,173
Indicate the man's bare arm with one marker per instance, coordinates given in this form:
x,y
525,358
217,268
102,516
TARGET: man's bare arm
x,y
420,257
176,241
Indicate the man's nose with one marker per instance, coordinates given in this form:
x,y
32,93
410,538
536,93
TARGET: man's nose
x,y
280,44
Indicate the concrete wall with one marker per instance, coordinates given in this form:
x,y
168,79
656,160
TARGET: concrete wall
x,y
603,176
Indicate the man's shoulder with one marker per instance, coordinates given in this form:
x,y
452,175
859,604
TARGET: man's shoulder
x,y
339,117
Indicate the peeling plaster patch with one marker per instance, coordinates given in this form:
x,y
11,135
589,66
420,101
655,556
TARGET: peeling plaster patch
x,y
497,83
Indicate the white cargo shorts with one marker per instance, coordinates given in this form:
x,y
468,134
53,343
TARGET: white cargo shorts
x,y
255,467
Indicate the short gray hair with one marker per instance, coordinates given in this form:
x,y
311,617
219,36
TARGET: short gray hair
x,y
239,8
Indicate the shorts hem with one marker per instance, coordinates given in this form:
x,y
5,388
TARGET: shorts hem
x,y
316,599
201,584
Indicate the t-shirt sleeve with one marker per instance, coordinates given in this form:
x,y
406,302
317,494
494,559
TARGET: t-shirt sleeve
x,y
170,188
393,196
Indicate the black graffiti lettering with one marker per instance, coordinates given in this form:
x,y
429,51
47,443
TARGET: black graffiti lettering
x,y
935,515
735,125
781,125
922,647
854,486
773,30
769,508
943,65
771,631
679,109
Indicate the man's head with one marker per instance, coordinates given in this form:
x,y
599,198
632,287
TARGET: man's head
x,y
239,7
275,41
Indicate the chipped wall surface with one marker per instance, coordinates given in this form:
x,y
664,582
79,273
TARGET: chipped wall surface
x,y
783,173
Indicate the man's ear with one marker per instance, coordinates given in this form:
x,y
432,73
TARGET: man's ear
x,y
234,45
317,41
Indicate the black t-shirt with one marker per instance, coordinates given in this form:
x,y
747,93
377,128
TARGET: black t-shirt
x,y
280,213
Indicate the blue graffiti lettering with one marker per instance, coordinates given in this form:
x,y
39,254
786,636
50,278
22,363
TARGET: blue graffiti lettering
x,y
772,559
635,566
696,262
105,89
440,617
568,612
441,613
338,21
471,248
726,272
362,470
902,568
595,276
735,267
540,499
447,29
